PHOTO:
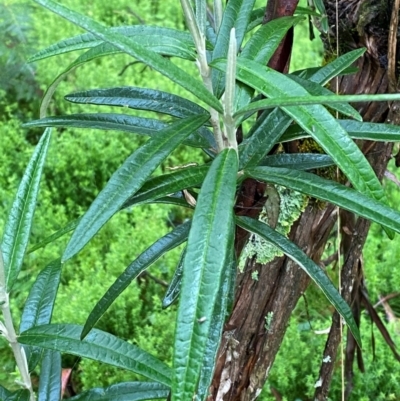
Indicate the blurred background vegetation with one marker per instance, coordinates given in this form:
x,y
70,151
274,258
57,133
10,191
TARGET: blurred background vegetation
x,y
80,163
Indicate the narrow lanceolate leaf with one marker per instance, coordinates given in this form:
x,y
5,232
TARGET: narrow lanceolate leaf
x,y
298,161
139,99
39,306
174,287
50,376
99,346
216,326
315,120
356,129
146,259
128,179
312,269
264,134
207,253
156,187
131,47
170,40
128,391
4,393
236,15
333,69
330,191
20,395
18,226
202,138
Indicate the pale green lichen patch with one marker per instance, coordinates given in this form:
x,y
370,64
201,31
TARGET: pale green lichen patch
x,y
291,205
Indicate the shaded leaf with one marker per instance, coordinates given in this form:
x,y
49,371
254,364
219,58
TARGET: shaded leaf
x,y
19,222
128,179
206,257
174,287
298,161
131,47
129,391
99,346
313,270
50,376
330,191
169,241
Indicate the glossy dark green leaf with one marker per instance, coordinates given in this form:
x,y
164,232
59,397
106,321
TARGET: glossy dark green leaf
x,y
130,46
128,391
169,40
20,395
4,393
202,138
141,263
139,99
174,287
156,187
356,129
329,100
216,326
50,376
298,161
260,47
99,346
334,68
39,305
53,237
236,15
312,269
19,222
128,179
330,191
207,253
318,90
315,120
264,134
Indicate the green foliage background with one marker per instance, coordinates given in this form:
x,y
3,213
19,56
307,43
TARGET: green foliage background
x,y
80,163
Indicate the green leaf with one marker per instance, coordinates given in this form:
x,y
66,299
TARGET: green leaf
x,y
128,179
298,161
236,15
328,100
50,376
357,130
318,90
330,191
39,305
141,263
166,184
4,393
264,134
157,38
216,326
18,226
53,237
312,269
315,120
202,138
139,99
99,346
261,47
206,257
334,68
20,395
131,47
129,391
174,287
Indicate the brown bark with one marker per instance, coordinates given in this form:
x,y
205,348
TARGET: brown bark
x,y
248,348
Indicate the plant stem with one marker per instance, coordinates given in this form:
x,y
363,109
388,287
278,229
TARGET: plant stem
x,y
202,64
9,332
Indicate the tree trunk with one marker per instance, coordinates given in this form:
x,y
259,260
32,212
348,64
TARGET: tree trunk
x,y
249,346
